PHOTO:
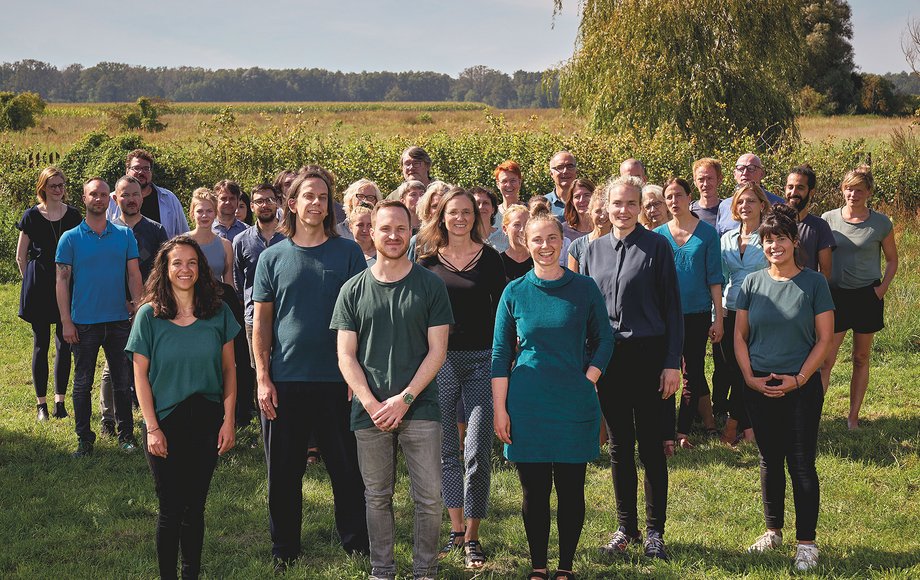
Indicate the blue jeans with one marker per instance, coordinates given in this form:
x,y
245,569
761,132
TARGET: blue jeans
x,y
421,445
112,337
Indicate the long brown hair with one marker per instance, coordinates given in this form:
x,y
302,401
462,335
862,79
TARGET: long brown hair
x,y
434,233
570,214
288,225
158,290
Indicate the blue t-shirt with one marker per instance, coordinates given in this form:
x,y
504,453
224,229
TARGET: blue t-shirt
x,y
99,265
699,266
303,283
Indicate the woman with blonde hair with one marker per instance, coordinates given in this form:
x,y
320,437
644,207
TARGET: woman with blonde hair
x,y
601,220
516,258
857,283
362,192
40,228
202,211
359,221
654,211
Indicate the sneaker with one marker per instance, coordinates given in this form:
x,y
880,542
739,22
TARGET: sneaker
x,y
654,546
769,541
84,449
806,557
108,430
128,444
619,543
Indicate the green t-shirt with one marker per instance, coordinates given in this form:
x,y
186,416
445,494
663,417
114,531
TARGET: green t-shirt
x,y
392,322
303,284
857,259
184,360
781,318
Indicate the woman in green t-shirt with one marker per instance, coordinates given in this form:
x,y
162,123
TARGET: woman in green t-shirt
x,y
182,347
784,324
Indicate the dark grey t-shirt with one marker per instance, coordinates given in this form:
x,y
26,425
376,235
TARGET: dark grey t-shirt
x,y
814,235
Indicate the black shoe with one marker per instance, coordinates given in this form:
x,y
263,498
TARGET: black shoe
x,y
619,543
59,411
654,546
42,409
108,429
128,444
84,449
281,565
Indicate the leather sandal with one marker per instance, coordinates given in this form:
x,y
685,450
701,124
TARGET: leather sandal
x,y
474,558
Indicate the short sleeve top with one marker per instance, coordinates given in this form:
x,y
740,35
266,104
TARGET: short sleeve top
x,y
857,259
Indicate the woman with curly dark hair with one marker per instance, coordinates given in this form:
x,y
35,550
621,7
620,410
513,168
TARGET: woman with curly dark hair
x,y
185,378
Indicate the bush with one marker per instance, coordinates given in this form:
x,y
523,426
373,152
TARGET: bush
x,y
143,115
18,112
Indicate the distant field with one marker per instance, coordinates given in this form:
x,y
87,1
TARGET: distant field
x,y
872,128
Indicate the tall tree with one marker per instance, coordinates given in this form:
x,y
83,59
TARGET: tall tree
x,y
828,52
910,44
710,68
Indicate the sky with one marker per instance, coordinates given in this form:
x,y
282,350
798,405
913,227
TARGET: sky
x,y
349,35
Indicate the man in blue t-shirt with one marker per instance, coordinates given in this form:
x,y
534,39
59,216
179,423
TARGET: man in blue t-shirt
x,y
300,387
748,169
97,257
564,171
816,240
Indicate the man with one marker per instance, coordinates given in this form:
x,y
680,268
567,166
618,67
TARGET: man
x,y
564,171
748,169
97,257
816,240
707,176
228,201
415,163
160,204
392,322
634,168
149,236
300,386
247,247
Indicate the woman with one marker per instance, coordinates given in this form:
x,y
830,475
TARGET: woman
x,y
699,273
654,211
552,328
742,254
487,204
577,213
857,283
243,212
508,181
453,248
217,250
410,192
601,220
362,192
40,228
516,258
783,328
182,346
359,220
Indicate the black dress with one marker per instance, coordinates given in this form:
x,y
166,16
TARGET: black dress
x,y
515,269
37,300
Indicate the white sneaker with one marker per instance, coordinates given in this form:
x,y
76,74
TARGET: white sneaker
x,y
806,557
769,541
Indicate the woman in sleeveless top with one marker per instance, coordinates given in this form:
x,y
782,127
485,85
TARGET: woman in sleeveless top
x,y
218,251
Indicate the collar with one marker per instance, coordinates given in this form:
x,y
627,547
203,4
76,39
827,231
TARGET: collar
x,y
84,227
631,239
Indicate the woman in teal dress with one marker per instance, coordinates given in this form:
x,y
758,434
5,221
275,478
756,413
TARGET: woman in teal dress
x,y
552,342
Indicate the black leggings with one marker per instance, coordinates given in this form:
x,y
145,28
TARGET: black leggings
x,y
537,484
787,433
182,480
696,337
41,341
730,373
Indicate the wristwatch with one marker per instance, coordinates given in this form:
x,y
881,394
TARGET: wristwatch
x,y
408,398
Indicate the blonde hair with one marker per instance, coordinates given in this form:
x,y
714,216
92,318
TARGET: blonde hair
x,y
657,192
513,211
199,195
43,178
541,213
348,197
862,175
757,191
424,206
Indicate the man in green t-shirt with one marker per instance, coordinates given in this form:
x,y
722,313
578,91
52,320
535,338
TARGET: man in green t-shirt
x,y
392,322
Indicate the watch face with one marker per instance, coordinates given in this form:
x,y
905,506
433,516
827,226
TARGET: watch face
x,y
408,398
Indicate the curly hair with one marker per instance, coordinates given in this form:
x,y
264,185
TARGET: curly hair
x,y
158,290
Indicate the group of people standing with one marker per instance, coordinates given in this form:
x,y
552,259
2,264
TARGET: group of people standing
x,y
436,317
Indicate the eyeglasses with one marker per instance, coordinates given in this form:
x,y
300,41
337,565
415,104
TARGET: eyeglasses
x,y
413,163
363,197
55,186
563,167
652,205
144,169
265,201
747,168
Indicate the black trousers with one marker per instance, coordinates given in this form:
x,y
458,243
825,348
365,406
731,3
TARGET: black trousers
x,y
537,484
696,337
245,375
787,432
182,480
323,408
726,366
636,413
41,342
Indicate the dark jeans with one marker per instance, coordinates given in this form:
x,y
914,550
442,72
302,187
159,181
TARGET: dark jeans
x,y
112,337
787,432
536,486
41,341
245,376
182,480
727,368
696,337
635,412
323,407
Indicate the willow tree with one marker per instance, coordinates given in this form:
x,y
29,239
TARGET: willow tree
x,y
711,69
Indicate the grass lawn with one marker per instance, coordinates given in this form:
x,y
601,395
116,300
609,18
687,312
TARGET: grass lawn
x,y
94,518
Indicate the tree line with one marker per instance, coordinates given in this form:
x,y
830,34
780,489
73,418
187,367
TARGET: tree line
x,y
119,82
